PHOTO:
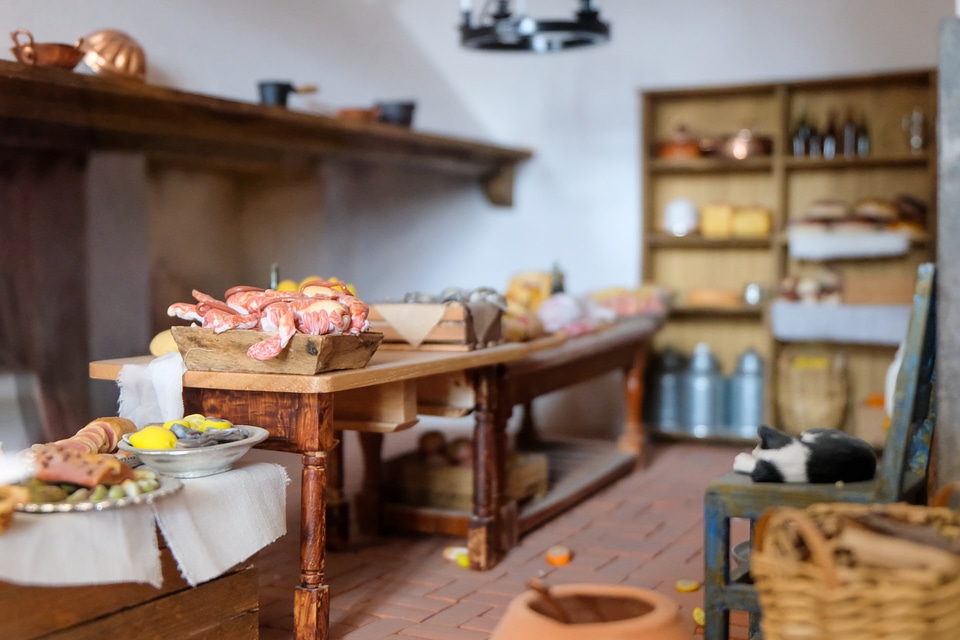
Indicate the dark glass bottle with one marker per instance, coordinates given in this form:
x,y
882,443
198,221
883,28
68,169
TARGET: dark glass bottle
x,y
829,141
848,144
801,137
815,146
863,138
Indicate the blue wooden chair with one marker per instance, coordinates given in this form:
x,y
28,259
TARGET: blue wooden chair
x,y
901,477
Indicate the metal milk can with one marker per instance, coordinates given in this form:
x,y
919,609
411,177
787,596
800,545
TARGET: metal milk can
x,y
746,395
666,374
703,397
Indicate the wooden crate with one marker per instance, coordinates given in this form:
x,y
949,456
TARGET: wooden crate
x,y
411,481
225,607
204,350
439,327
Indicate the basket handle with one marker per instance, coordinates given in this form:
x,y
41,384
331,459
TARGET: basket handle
x,y
820,552
943,495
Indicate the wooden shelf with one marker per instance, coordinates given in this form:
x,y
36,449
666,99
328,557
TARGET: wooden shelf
x,y
714,312
710,165
577,468
919,160
665,241
52,108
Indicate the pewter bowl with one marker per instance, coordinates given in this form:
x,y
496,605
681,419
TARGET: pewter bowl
x,y
196,463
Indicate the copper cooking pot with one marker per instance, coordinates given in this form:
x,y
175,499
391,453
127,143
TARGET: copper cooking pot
x,y
46,54
745,144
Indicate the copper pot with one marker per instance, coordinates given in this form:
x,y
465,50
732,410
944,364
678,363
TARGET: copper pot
x,y
47,54
745,144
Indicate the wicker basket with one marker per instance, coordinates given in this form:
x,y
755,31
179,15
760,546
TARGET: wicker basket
x,y
820,574
812,389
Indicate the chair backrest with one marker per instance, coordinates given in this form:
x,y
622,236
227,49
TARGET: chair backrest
x,y
906,455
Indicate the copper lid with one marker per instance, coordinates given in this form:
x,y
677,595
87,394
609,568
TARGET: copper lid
x,y
113,53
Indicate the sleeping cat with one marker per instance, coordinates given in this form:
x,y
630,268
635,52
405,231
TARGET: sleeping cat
x,y
815,456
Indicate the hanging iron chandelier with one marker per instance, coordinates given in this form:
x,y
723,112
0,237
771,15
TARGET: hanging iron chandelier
x,y
503,30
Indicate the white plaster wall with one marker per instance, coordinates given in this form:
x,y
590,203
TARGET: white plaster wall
x,y
578,201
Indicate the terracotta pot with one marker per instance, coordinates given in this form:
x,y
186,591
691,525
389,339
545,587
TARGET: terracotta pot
x,y
592,612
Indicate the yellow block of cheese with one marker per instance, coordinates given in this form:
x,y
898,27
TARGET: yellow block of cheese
x,y
750,222
716,221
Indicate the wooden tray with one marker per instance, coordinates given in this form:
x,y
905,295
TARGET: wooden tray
x,y
204,350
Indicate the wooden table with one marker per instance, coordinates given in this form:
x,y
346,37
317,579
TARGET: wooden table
x,y
578,467
298,412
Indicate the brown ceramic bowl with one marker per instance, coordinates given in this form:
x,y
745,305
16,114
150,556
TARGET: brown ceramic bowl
x,y
47,54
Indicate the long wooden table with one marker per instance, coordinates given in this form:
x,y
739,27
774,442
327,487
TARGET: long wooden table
x,y
298,411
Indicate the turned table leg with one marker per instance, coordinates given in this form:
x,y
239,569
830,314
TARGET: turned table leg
x,y
632,439
311,599
484,541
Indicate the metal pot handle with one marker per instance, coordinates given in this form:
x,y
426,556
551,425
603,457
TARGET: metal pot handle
x,y
22,32
28,54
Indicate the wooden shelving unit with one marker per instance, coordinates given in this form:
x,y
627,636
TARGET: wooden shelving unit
x,y
52,108
785,185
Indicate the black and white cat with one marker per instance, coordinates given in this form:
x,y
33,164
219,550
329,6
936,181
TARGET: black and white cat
x,y
815,456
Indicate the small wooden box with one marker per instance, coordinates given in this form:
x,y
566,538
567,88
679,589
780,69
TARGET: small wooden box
x,y
457,328
204,350
411,481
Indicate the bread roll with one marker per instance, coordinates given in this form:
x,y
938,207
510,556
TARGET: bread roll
x,y
875,209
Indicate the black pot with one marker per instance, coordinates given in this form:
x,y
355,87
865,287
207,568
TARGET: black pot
x,y
399,112
275,93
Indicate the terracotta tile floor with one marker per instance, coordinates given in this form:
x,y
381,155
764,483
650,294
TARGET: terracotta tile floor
x,y
646,530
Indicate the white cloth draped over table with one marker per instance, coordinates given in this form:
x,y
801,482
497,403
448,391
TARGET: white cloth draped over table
x,y
210,525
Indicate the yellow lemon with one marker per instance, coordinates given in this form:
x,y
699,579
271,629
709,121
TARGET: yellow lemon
x,y
153,437
306,280
288,285
195,420
687,586
699,616
215,423
170,423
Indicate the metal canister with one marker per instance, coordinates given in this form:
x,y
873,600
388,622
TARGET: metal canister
x,y
663,383
746,395
703,398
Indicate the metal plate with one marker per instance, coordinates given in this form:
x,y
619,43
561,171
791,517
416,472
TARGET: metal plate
x,y
168,486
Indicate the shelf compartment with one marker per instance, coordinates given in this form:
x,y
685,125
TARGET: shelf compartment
x,y
874,324
710,165
665,241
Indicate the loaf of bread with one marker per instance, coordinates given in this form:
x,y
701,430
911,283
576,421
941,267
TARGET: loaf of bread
x,y
828,208
875,209
10,497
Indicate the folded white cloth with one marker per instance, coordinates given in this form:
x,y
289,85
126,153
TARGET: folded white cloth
x,y
210,525
224,519
152,392
77,549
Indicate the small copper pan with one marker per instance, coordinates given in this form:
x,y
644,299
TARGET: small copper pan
x,y
47,54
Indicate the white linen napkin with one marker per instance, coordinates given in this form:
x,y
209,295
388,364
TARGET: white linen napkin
x,y
152,392
79,549
224,519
